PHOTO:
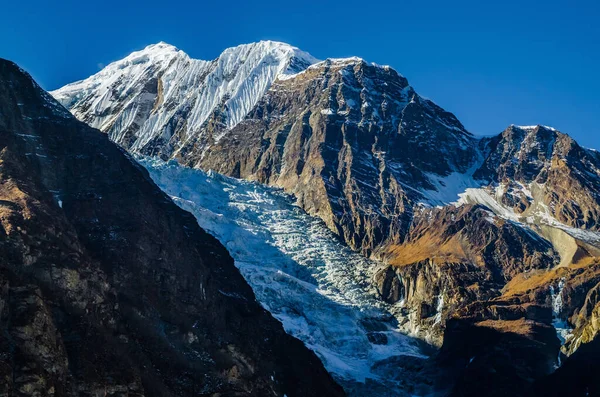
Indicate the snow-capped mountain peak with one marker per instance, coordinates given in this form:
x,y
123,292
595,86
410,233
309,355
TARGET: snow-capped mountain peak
x,y
159,96
155,51
267,48
98,89
533,127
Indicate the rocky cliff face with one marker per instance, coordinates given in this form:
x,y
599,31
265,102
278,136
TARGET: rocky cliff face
x,y
107,287
565,174
586,321
453,257
351,140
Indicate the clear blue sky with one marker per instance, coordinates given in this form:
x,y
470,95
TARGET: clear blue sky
x,y
492,63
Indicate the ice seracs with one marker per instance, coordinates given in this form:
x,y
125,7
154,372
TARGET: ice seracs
x,y
319,289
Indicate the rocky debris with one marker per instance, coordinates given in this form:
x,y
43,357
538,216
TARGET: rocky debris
x,y
107,287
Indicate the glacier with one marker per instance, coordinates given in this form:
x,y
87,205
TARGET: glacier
x,y
318,288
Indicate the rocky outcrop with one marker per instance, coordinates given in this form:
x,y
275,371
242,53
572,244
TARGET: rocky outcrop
x,y
472,234
352,141
586,321
107,287
567,174
452,257
589,328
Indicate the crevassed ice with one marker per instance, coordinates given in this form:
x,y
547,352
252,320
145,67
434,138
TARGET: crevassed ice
x,y
318,288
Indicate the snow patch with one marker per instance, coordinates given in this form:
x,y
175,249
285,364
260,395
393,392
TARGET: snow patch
x,y
533,127
439,309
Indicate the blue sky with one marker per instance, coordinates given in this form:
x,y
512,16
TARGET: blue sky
x,y
492,63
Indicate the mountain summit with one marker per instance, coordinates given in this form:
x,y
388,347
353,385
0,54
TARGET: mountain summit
x,y
158,97
270,112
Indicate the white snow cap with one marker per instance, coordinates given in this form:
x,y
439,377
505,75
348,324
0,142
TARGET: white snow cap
x,y
158,51
124,93
533,127
348,61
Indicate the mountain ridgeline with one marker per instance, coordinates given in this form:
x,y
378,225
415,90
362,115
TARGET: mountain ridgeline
x,y
485,244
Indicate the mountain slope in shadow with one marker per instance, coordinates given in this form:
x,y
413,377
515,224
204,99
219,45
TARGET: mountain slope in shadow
x,y
107,287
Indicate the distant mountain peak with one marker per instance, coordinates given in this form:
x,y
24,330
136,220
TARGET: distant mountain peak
x,y
152,53
533,127
160,45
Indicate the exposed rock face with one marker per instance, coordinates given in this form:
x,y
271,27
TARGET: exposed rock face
x,y
586,321
453,257
352,141
107,287
473,234
568,175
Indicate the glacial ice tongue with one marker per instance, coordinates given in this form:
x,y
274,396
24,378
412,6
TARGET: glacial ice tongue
x,y
318,288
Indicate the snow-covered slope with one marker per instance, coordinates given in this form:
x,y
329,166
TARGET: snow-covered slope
x,y
319,289
159,92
